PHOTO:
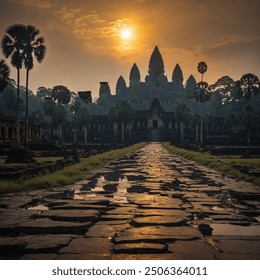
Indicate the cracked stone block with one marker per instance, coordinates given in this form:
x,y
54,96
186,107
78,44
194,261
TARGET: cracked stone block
x,y
84,245
140,248
192,250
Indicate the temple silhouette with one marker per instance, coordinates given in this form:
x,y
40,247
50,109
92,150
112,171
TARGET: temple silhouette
x,y
154,101
156,85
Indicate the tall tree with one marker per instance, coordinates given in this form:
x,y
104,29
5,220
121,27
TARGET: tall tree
x,y
224,87
4,75
183,116
13,46
249,84
202,68
61,94
202,95
33,47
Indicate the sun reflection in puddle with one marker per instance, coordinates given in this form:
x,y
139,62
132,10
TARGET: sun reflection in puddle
x,y
39,207
121,195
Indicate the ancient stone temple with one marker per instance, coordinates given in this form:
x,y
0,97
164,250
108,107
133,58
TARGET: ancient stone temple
x,y
154,99
141,93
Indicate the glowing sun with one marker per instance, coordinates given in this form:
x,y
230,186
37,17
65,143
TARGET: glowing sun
x,y
126,34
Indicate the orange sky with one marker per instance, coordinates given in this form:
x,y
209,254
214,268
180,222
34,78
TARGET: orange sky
x,y
84,45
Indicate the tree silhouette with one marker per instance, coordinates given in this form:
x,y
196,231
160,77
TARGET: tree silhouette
x,y
183,116
202,95
61,94
4,75
12,46
249,84
202,68
33,47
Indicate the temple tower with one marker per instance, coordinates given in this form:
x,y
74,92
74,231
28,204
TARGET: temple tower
x,y
134,77
156,65
120,86
177,77
104,89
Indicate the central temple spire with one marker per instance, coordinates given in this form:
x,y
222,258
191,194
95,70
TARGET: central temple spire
x,y
156,65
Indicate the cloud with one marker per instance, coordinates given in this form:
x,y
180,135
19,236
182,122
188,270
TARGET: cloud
x,y
34,3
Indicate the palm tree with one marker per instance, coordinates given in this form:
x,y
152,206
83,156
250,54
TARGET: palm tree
x,y
4,75
202,68
202,95
13,46
34,47
249,84
183,116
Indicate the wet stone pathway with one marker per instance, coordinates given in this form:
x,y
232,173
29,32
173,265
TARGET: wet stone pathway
x,y
150,204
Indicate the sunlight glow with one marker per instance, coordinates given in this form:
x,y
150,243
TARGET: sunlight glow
x,y
126,33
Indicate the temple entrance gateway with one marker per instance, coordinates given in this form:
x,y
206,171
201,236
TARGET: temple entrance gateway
x,y
155,124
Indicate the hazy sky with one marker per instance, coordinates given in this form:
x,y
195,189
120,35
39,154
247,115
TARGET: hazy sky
x,y
84,43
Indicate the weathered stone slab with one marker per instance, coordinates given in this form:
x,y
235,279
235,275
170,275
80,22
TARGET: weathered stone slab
x,y
158,220
159,234
240,247
45,243
33,243
164,212
71,215
11,245
132,210
45,226
116,217
88,245
72,205
100,231
192,250
140,248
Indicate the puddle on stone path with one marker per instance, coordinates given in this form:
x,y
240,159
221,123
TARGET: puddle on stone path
x,y
102,185
121,195
40,207
216,208
228,229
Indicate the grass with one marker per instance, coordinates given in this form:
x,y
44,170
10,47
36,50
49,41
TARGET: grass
x,y
38,159
68,175
221,163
